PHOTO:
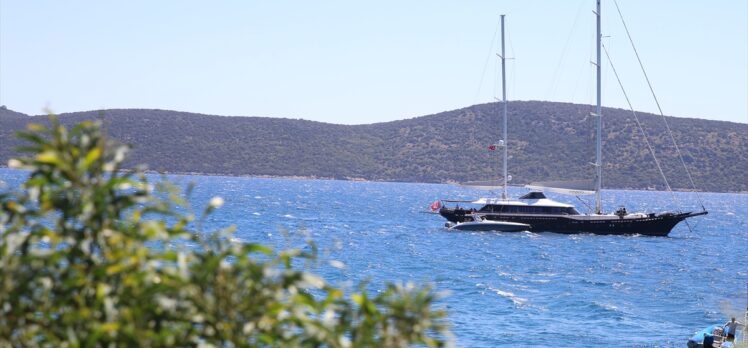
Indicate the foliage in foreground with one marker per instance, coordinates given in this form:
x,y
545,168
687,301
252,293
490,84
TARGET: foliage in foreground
x,y
91,256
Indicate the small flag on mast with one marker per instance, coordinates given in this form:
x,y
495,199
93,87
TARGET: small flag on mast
x,y
436,205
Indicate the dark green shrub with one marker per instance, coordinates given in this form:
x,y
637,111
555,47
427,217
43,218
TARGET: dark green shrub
x,y
91,256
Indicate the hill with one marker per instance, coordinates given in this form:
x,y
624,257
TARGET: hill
x,y
547,141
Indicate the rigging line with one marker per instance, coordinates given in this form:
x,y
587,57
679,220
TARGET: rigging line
x,y
511,61
651,89
591,71
494,76
579,75
589,208
690,229
689,226
636,118
644,133
471,116
554,80
510,77
485,65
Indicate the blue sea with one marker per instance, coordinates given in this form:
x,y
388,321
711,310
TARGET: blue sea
x,y
504,289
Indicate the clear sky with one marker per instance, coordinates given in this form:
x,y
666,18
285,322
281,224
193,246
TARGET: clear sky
x,y
356,62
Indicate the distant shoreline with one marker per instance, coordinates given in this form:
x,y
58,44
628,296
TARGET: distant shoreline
x,y
302,177
550,141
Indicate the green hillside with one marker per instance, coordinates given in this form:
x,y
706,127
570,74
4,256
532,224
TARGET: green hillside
x,y
547,141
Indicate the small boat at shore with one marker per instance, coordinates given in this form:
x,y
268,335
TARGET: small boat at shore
x,y
717,336
479,223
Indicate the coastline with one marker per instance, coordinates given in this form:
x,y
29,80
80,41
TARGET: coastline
x,y
313,177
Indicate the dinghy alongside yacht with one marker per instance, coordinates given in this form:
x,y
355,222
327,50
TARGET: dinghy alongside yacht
x,y
478,222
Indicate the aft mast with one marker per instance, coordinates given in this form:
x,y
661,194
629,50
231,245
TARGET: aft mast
x,y
599,115
503,102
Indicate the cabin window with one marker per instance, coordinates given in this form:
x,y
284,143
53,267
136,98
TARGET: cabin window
x,y
524,209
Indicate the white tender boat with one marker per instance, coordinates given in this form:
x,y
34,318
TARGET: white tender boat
x,y
479,223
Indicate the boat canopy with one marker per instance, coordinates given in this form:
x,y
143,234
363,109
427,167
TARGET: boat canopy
x,y
575,187
534,195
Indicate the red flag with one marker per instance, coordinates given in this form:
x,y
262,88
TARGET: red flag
x,y
436,205
492,147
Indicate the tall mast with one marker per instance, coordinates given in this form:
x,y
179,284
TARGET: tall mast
x,y
599,115
503,102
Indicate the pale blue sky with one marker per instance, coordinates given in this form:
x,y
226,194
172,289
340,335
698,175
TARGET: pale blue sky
x,y
358,62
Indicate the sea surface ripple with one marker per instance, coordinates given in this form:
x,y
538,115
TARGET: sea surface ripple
x,y
504,289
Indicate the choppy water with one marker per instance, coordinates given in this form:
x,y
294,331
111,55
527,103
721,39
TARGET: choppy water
x,y
506,289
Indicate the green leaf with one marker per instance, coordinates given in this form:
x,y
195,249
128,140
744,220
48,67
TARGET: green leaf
x,y
49,157
92,156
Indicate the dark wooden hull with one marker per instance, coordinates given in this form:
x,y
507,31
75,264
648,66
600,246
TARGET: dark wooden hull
x,y
652,225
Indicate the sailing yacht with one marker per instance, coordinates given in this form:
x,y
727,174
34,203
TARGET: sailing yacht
x,y
542,214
